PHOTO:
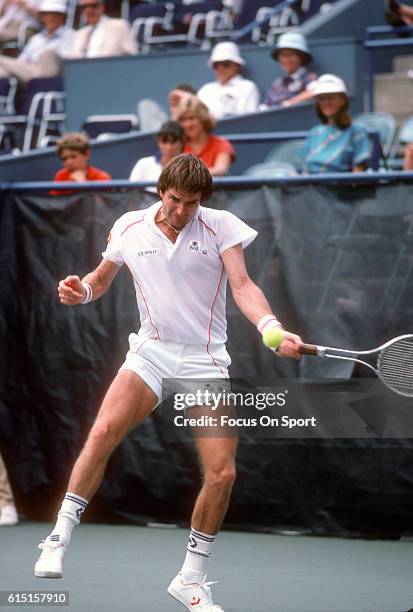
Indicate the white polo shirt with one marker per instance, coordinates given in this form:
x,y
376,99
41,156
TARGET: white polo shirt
x,y
235,97
180,288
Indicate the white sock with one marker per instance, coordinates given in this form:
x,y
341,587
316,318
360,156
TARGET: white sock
x,y
198,551
68,516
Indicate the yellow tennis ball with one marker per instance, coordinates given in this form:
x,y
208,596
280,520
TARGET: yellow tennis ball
x,y
272,337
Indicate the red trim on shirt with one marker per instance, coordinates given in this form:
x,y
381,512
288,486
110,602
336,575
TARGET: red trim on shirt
x,y
130,225
137,282
210,323
207,226
146,304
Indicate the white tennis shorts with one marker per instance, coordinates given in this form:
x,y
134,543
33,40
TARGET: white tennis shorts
x,y
157,360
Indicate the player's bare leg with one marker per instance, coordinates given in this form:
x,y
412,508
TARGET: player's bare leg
x,y
217,456
127,402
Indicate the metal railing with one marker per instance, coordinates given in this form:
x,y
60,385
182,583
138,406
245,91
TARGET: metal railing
x,y
241,182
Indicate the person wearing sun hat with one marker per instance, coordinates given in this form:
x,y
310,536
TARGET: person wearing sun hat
x,y
230,94
293,55
42,56
338,144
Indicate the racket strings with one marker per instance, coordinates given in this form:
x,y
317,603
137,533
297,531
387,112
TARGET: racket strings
x,y
395,366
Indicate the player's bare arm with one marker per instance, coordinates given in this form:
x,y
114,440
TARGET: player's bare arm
x,y
251,300
72,289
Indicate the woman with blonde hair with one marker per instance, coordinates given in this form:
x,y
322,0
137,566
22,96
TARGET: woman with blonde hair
x,y
197,122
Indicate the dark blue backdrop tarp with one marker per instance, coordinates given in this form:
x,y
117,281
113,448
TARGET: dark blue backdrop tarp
x,y
336,265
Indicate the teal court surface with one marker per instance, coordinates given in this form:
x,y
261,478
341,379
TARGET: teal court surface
x,y
112,568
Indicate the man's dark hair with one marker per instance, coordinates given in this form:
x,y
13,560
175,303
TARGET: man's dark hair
x,y
171,130
186,173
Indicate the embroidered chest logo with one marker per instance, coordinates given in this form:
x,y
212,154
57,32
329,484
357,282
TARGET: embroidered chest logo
x,y
194,246
148,252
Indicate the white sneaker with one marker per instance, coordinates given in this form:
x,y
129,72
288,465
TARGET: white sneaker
x,y
50,563
193,596
8,516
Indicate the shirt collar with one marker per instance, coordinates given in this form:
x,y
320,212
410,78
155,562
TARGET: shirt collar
x,y
152,211
56,34
101,21
298,74
235,79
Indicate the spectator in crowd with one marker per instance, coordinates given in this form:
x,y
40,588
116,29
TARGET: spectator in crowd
x,y
176,95
398,14
102,36
293,55
42,55
408,157
8,512
170,141
230,94
13,13
337,145
197,122
74,151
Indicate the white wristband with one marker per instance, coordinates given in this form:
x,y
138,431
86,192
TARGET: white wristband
x,y
89,294
268,321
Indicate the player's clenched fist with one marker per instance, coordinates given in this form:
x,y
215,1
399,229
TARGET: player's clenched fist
x,y
71,291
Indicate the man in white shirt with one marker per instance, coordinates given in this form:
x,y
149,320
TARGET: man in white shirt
x,y
180,255
102,36
42,56
231,94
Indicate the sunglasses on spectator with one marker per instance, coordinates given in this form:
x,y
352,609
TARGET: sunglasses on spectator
x,y
91,5
225,64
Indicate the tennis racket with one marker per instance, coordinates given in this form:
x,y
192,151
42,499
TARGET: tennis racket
x,y
394,365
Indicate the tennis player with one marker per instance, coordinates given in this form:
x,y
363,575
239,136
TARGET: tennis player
x,y
180,255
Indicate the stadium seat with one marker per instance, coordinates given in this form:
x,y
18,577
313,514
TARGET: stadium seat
x,y
287,151
41,112
97,125
181,24
150,115
8,89
384,124
270,170
404,136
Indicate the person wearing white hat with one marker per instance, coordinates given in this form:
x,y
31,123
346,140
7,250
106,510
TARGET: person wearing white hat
x,y
231,94
42,56
293,55
338,144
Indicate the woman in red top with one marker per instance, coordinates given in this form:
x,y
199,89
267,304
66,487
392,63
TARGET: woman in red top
x,y
74,151
217,153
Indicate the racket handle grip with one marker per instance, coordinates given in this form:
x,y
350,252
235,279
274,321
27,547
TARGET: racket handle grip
x,y
308,349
